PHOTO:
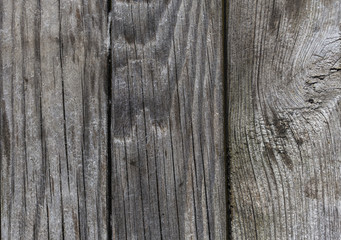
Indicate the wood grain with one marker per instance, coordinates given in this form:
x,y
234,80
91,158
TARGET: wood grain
x,y
284,118
112,120
53,65
167,137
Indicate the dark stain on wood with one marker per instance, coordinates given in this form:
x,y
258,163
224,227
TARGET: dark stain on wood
x,y
287,160
294,8
78,17
275,19
281,126
6,137
311,188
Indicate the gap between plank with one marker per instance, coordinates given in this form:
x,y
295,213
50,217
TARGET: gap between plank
x,y
225,10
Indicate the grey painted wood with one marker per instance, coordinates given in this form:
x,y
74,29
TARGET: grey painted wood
x,y
53,144
167,137
284,96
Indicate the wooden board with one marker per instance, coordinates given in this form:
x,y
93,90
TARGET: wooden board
x,y
167,136
112,120
53,144
284,111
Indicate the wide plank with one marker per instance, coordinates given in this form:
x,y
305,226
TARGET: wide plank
x,y
53,131
167,135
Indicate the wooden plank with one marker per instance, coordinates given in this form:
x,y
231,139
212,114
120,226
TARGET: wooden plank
x,y
284,96
53,65
167,137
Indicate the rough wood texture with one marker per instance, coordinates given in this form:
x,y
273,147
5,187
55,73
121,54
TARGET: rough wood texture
x,y
131,148
284,118
168,166
53,119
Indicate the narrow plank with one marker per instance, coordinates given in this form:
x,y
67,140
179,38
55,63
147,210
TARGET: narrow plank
x,y
284,118
53,119
167,138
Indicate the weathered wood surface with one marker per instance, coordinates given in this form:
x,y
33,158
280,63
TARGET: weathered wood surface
x,y
112,120
167,138
284,96
53,119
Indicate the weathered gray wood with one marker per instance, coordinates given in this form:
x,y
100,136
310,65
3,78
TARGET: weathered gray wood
x,y
284,96
161,135
168,166
53,144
